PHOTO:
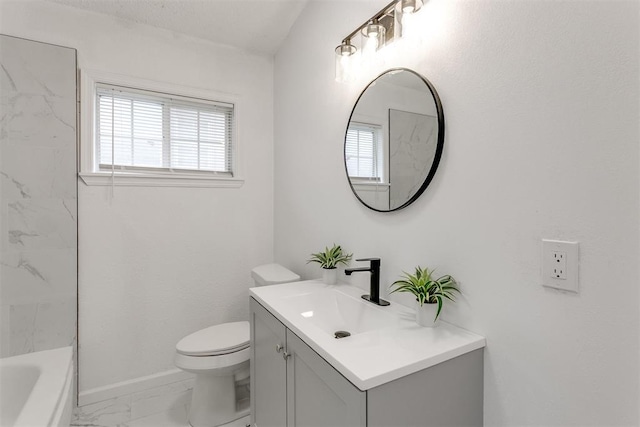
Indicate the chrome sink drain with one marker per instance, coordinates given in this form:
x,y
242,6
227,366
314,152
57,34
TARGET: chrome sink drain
x,y
342,334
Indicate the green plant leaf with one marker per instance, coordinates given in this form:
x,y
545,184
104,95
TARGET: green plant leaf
x,y
331,257
425,288
439,307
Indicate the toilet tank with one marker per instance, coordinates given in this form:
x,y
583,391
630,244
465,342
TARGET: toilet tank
x,y
273,274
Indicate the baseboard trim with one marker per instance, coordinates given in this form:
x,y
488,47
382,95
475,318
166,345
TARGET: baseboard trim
x,y
124,388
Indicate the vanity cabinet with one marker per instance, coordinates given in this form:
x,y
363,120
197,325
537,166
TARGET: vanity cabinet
x,y
292,386
268,369
317,394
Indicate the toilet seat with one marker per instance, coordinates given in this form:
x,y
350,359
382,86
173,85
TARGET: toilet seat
x,y
221,348
224,364
216,340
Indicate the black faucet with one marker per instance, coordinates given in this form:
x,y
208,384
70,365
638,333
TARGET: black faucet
x,y
374,291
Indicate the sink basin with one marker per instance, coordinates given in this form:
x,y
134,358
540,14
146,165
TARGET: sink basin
x,y
331,311
385,344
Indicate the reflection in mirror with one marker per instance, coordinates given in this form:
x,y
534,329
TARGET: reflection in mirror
x,y
394,140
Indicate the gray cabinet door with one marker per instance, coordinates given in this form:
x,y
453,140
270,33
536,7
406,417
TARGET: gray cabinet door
x,y
317,395
268,369
449,394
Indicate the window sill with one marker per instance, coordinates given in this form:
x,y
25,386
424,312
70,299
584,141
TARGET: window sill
x,y
365,184
159,180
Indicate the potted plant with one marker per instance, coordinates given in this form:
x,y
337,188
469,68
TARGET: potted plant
x,y
429,293
329,261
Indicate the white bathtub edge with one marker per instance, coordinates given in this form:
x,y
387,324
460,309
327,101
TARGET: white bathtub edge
x,y
62,417
48,393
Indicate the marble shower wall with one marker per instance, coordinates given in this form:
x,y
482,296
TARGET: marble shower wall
x,y
413,140
38,196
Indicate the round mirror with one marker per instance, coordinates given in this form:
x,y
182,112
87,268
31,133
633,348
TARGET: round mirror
x,y
394,140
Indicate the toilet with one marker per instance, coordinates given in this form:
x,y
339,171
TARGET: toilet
x,y
219,358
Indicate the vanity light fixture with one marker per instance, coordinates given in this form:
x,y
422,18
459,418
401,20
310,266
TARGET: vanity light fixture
x,y
377,32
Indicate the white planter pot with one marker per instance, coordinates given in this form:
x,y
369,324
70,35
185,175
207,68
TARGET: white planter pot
x,y
330,276
426,314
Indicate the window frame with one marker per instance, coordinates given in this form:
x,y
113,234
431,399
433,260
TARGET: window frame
x,y
378,156
148,177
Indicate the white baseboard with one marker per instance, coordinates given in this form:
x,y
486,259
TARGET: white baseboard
x,y
135,385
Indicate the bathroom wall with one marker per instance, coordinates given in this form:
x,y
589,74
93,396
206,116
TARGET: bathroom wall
x,y
158,263
541,108
38,196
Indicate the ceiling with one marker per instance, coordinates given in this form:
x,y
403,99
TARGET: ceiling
x,y
254,25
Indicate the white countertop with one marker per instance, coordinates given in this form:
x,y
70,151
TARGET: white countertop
x,y
372,358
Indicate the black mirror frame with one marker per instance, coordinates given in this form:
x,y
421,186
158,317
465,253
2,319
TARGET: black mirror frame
x,y
439,146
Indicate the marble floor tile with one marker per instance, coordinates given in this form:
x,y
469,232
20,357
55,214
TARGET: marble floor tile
x,y
109,413
157,399
176,416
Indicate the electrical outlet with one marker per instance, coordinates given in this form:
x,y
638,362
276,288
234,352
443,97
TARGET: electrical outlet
x,y
560,265
559,270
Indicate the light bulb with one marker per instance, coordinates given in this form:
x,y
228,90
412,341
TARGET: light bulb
x,y
370,44
411,6
406,9
345,61
373,35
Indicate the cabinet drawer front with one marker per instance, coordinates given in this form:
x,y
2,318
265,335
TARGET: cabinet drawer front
x,y
317,395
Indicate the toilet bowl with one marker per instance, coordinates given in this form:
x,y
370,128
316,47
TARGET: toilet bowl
x,y
219,358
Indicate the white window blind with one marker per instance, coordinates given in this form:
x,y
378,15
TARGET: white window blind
x,y
141,131
362,151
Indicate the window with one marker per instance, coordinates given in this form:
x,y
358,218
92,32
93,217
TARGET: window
x,y
137,130
362,152
145,133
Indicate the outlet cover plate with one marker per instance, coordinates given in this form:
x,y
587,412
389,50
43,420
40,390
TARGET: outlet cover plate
x,y
560,265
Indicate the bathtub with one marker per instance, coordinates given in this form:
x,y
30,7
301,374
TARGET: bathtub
x,y
36,389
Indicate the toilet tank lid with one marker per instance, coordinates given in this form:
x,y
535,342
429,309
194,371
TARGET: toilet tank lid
x,y
218,339
269,274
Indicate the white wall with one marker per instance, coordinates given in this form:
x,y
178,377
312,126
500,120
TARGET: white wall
x,y
541,108
159,263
